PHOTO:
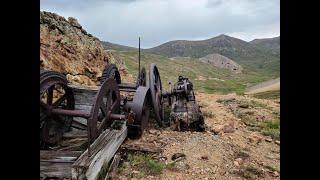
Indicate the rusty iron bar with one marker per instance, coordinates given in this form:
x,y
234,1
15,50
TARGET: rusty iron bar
x,y
80,113
117,116
127,86
73,113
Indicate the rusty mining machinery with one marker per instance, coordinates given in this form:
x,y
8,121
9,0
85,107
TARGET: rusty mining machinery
x,y
104,117
57,104
185,112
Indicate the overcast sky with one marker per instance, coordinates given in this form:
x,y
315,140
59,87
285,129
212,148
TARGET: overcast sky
x,y
159,21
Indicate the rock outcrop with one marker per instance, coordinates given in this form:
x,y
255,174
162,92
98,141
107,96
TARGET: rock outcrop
x,y
66,47
223,62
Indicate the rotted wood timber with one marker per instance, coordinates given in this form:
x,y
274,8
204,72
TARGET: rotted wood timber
x,y
88,166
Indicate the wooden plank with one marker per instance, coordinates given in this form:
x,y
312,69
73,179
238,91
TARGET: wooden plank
x,y
56,154
83,107
84,96
55,170
102,151
57,164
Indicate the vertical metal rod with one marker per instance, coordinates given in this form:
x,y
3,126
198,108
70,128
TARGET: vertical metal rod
x,y
139,58
89,137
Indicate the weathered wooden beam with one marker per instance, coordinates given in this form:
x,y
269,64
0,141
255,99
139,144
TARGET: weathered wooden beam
x,y
112,170
102,150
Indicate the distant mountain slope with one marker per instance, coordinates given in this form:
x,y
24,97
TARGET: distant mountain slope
x,y
220,44
249,55
117,47
273,44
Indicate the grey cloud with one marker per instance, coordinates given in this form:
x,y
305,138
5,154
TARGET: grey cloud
x,y
164,20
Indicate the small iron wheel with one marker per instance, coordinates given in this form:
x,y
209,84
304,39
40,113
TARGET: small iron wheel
x,y
107,101
54,93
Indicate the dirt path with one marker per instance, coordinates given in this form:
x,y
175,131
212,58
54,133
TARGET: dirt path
x,y
271,85
227,150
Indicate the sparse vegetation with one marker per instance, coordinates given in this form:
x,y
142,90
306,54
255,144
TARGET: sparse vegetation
x,y
145,165
242,154
268,95
251,172
268,127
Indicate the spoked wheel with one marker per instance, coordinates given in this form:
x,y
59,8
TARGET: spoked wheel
x,y
54,93
107,101
156,93
141,107
141,79
110,71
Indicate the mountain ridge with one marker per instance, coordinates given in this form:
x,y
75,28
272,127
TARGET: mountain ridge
x,y
252,56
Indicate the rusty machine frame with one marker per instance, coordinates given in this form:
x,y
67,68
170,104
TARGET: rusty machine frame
x,y
185,112
109,109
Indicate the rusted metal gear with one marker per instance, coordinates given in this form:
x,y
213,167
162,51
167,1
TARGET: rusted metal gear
x,y
156,93
141,107
110,71
142,78
54,93
107,102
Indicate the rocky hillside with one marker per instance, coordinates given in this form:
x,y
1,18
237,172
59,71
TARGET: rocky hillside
x,y
66,47
222,62
273,44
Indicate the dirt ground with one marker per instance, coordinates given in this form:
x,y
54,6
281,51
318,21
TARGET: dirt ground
x,y
228,149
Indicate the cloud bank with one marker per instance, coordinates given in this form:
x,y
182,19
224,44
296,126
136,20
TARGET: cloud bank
x,y
123,21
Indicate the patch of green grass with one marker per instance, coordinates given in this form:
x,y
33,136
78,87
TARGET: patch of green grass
x,y
271,168
155,167
268,128
147,165
274,133
273,124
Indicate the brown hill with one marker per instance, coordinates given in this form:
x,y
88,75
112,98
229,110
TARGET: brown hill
x,y
66,47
